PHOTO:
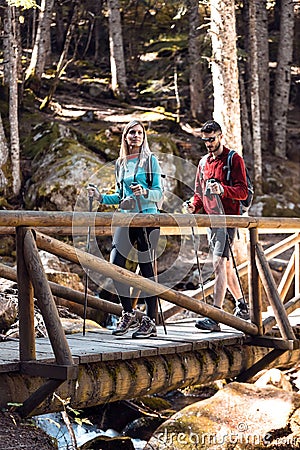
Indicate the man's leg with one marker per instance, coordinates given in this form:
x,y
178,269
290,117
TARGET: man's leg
x,y
241,308
220,269
232,280
217,242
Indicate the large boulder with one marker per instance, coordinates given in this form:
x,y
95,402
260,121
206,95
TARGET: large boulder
x,y
240,416
61,167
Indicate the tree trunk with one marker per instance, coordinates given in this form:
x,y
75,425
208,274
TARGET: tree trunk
x,y
225,71
3,157
263,73
283,77
59,26
117,60
42,43
196,83
62,63
13,102
6,47
255,105
246,127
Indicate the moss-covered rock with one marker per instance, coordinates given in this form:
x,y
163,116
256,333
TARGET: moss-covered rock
x,y
61,167
240,416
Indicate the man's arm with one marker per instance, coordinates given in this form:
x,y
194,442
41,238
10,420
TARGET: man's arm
x,y
196,200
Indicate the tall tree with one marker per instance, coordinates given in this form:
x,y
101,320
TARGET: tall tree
x,y
245,117
63,60
283,77
255,99
196,82
117,60
262,36
225,70
3,157
42,44
13,23
59,26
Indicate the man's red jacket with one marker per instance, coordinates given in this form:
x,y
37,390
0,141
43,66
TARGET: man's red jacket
x,y
234,190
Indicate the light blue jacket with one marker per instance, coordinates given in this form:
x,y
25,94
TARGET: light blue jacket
x,y
127,176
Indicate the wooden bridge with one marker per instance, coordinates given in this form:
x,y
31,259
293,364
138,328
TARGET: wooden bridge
x,y
96,367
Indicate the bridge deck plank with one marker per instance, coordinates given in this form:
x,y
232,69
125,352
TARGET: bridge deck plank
x,y
100,345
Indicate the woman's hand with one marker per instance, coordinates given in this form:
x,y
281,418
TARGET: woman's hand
x,y
93,191
138,190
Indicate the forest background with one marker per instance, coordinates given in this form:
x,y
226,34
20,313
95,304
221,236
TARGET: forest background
x,y
186,60
236,61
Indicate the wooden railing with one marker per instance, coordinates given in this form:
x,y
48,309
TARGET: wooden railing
x,y
30,228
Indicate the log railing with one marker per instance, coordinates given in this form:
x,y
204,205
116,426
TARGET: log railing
x,y
31,228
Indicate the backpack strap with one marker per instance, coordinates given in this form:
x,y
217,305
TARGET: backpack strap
x,y
229,164
202,165
119,174
149,171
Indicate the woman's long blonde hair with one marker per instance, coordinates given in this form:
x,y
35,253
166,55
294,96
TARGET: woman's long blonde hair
x,y
145,151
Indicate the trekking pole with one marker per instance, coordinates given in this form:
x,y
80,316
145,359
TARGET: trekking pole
x,y
197,259
198,264
158,299
153,264
235,268
88,241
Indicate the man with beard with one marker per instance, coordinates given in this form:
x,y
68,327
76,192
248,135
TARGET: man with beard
x,y
214,194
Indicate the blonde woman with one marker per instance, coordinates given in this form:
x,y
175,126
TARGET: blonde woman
x,y
138,189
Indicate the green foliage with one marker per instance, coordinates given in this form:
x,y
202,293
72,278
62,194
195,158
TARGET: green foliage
x,y
24,4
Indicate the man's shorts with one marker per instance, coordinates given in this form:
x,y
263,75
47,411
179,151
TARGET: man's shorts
x,y
218,240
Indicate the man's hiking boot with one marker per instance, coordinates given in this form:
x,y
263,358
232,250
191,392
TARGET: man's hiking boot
x,y
147,329
207,324
127,322
242,311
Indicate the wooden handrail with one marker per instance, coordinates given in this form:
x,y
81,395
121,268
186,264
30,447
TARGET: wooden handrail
x,y
125,276
242,268
25,302
287,277
45,300
290,306
80,219
70,294
273,296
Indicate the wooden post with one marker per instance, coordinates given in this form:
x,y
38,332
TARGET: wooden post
x,y
255,299
125,276
273,296
46,302
287,278
297,268
38,397
25,302
290,306
264,362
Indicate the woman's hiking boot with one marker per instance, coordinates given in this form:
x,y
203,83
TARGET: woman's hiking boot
x,y
147,329
127,322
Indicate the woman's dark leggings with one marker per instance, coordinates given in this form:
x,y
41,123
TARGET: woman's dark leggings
x,y
146,240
